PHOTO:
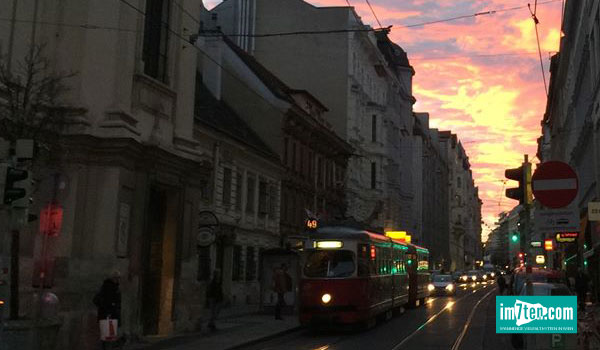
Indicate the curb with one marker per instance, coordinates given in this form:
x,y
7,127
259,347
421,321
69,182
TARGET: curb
x,y
265,338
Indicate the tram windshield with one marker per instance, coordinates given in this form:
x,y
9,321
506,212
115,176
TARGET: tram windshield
x,y
329,263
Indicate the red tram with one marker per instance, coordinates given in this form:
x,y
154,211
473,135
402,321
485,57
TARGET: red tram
x,y
351,275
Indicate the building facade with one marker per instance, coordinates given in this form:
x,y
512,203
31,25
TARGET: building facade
x,y
435,234
570,127
365,86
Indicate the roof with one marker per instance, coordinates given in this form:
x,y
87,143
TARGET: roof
x,y
277,87
219,116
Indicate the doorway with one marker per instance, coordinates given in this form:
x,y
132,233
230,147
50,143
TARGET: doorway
x,y
159,263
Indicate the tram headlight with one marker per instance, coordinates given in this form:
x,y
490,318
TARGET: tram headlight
x,y
326,298
484,277
493,274
474,278
450,287
430,287
464,278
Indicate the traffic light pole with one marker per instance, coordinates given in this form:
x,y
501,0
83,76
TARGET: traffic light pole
x,y
14,274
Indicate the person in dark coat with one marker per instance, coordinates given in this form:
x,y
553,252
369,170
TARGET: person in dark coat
x,y
581,286
501,284
214,295
108,299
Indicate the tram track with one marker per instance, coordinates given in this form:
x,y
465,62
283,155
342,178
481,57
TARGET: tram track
x,y
448,306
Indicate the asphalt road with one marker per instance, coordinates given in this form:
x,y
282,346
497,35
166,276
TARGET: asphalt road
x,y
463,321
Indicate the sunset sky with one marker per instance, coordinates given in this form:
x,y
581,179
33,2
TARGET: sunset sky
x,y
479,77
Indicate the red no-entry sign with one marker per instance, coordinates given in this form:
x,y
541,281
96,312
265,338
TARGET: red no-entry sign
x,y
554,184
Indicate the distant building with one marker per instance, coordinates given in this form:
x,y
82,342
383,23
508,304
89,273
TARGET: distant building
x,y
435,190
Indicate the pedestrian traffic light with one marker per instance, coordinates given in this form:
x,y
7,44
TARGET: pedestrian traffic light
x,y
522,175
11,189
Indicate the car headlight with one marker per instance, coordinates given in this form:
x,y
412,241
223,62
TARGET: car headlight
x,y
464,278
484,277
430,287
326,298
474,278
492,274
450,287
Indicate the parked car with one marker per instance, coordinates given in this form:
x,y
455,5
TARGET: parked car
x,y
535,274
544,341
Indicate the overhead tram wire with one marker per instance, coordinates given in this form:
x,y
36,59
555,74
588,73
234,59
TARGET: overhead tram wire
x,y
187,41
537,37
374,14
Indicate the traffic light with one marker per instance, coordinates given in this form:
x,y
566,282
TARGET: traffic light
x,y
514,237
548,244
12,186
522,175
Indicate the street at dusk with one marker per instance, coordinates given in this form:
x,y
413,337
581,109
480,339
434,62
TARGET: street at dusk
x,y
299,174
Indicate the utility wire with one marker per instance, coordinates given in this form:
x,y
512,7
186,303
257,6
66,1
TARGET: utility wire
x,y
374,14
537,36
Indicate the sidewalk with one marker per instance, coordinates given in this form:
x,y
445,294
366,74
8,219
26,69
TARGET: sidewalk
x,y
231,332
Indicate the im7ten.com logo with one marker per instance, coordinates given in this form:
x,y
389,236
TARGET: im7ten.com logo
x,y
536,314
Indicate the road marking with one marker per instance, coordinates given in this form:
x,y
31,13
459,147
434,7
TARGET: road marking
x,y
464,331
431,319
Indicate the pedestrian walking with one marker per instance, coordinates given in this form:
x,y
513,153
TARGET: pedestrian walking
x,y
108,302
501,284
282,283
581,285
214,295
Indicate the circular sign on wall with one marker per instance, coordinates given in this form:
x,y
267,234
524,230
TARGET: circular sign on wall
x,y
554,184
207,225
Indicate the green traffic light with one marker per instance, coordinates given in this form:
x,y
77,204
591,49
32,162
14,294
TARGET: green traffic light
x,y
409,261
514,238
585,262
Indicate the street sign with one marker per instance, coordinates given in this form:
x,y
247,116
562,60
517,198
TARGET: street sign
x,y
554,184
594,211
556,220
567,237
536,244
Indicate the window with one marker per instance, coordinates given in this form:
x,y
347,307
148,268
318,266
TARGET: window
x,y
272,201
226,187
156,39
236,269
294,165
203,264
285,151
263,198
250,264
329,263
374,128
373,175
238,191
250,194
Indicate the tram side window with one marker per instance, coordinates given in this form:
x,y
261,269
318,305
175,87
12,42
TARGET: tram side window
x,y
423,261
364,258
